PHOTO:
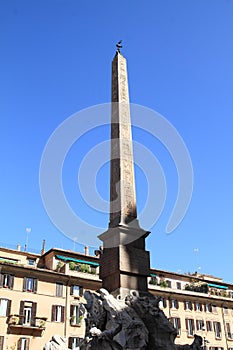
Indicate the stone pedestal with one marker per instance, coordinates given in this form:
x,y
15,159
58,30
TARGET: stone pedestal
x,y
124,263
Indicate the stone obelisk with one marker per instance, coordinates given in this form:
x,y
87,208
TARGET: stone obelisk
x,y
124,262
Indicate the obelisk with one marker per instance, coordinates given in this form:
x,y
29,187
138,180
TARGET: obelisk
x,y
124,262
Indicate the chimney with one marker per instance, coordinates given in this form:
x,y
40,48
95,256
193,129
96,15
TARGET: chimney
x,y
18,247
86,250
43,247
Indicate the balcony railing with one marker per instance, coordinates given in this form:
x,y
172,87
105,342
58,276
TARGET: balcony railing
x,y
18,322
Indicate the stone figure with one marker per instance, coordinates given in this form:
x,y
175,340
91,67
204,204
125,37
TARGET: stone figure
x,y
133,323
196,345
56,343
161,332
119,326
102,340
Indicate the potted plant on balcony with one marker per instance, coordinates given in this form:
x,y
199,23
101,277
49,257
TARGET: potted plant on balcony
x,y
163,283
14,319
42,323
72,266
59,266
72,320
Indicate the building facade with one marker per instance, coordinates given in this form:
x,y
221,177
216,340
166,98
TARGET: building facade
x,y
42,295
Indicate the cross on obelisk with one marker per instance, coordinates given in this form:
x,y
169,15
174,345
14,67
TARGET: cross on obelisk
x,y
124,263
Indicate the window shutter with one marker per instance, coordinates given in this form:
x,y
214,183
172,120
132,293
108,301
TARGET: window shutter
x,y
170,303
71,310
193,325
71,290
177,304
204,306
11,282
186,323
195,307
21,307
35,285
81,291
164,302
53,313
191,305
19,344
24,284
200,307
8,311
1,279
27,344
178,322
62,313
210,308
70,343
34,307
1,342
184,305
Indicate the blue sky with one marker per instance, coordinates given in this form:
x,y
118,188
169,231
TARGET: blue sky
x,y
56,60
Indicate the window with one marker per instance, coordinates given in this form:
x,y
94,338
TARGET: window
x,y
28,310
214,309
162,303
6,280
29,284
228,330
225,311
59,289
208,307
178,285
175,321
190,326
74,343
76,291
1,342
188,305
217,330
5,305
169,283
197,306
75,314
31,262
58,313
174,304
153,280
199,325
23,344
209,326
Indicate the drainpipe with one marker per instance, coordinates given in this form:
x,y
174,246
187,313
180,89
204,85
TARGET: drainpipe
x,y
224,325
67,308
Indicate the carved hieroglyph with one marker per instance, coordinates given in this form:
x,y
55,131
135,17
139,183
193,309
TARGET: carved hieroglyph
x,y
122,190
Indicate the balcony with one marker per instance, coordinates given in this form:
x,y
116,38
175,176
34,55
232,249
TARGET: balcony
x,y
198,287
17,325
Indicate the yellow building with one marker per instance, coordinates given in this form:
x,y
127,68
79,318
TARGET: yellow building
x,y
42,295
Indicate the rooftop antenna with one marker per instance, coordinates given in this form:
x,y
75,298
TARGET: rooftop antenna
x,y
28,230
